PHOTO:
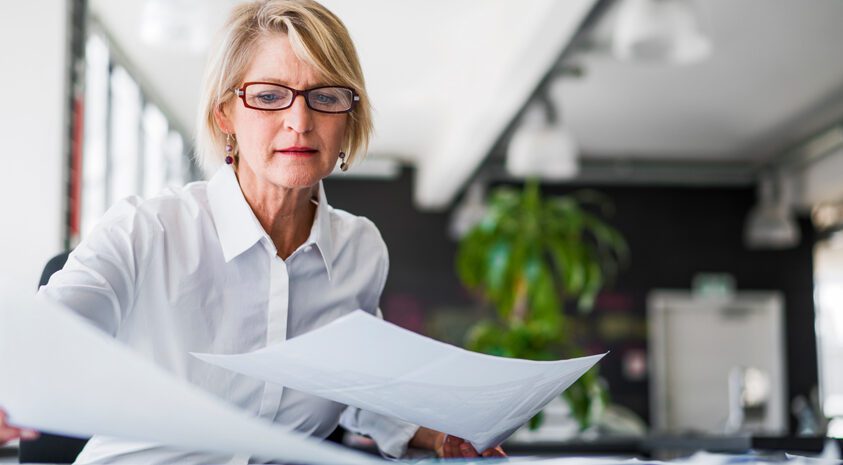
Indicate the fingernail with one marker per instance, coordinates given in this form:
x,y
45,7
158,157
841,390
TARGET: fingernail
x,y
28,434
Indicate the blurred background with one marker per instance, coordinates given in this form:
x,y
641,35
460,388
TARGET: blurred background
x,y
699,144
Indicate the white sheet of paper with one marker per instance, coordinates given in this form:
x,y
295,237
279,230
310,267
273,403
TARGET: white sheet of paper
x,y
61,375
365,362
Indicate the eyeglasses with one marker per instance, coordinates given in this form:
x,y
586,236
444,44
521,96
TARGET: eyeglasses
x,y
273,97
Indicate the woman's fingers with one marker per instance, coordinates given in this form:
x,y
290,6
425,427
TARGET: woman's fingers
x,y
455,448
8,433
468,451
29,434
452,447
446,447
494,452
459,448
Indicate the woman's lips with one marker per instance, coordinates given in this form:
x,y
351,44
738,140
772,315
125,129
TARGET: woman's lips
x,y
297,151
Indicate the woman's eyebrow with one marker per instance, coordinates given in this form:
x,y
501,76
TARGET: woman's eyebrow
x,y
285,83
267,79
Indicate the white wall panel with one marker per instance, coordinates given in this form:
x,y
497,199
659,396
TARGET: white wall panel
x,y
33,44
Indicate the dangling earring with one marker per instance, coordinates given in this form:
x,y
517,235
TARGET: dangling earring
x,y
229,150
343,165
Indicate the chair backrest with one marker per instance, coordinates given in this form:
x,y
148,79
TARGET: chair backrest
x,y
51,448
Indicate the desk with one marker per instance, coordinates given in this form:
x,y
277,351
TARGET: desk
x,y
666,447
656,447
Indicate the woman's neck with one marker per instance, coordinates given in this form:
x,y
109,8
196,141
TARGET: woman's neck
x,y
286,214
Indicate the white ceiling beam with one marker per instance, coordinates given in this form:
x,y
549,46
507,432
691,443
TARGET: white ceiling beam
x,y
473,131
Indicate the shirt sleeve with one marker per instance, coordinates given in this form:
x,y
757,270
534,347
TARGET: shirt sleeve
x,y
100,278
391,434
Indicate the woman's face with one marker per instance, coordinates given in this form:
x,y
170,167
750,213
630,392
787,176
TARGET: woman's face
x,y
272,144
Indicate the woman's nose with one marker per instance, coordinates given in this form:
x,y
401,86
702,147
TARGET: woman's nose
x,y
298,116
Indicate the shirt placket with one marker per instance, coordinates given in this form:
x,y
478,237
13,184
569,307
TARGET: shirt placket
x,y
276,329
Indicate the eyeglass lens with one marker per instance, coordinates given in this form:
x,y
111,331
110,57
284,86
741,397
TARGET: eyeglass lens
x,y
275,97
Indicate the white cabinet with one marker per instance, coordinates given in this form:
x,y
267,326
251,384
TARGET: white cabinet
x,y
717,363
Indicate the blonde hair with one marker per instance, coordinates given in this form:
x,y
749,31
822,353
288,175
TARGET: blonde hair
x,y
317,37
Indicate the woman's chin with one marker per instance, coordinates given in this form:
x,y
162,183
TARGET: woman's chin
x,y
296,175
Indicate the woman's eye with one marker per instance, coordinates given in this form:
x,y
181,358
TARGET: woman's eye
x,y
325,99
268,98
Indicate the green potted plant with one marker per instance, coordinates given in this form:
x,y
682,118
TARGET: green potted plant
x,y
527,257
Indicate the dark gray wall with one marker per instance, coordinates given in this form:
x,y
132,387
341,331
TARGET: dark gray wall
x,y
673,233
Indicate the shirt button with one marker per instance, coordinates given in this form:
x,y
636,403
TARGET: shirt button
x,y
307,249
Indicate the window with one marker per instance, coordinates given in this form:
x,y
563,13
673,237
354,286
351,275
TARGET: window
x,y
130,146
94,198
828,275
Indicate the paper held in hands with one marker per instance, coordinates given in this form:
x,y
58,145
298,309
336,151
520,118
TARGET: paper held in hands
x,y
365,362
61,375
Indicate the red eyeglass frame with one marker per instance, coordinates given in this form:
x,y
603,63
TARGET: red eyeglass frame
x,y
241,92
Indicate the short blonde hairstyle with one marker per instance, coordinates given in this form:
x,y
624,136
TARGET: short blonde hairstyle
x,y
317,37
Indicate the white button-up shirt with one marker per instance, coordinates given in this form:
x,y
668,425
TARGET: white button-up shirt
x,y
193,271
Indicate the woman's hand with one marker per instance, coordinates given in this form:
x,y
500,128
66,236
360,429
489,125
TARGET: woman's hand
x,y
450,447
8,432
453,447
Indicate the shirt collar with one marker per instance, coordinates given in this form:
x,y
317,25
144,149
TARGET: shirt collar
x,y
238,228
322,233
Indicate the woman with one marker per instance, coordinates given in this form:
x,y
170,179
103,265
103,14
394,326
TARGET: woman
x,y
255,255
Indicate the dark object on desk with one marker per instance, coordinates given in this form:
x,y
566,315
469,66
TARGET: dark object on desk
x,y
668,447
8,451
51,448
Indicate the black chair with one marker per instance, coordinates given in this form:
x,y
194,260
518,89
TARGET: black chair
x,y
51,448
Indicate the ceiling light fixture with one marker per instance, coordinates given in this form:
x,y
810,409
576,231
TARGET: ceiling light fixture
x,y
771,223
541,146
175,24
659,31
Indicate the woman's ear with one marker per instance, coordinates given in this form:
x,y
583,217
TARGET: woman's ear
x,y
222,119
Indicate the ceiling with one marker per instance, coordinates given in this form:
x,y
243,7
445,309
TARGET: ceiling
x,y
448,77
775,64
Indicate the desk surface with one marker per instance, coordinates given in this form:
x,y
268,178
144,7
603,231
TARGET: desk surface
x,y
648,446
657,446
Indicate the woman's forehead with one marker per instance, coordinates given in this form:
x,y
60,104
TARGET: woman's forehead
x,y
275,61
